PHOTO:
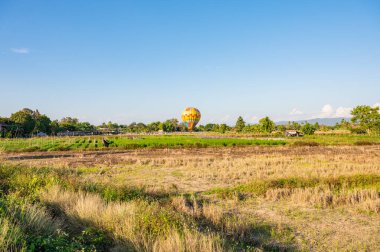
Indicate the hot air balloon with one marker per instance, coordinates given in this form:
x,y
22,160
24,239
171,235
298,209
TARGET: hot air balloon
x,y
190,117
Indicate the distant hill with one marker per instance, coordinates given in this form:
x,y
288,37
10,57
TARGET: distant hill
x,y
321,121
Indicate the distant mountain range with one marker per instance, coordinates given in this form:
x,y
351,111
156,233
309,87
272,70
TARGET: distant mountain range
x,y
321,121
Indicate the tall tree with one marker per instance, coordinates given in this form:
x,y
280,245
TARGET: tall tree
x,y
42,124
24,119
367,117
240,124
267,125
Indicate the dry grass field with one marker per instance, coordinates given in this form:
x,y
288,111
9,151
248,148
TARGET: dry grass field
x,y
253,198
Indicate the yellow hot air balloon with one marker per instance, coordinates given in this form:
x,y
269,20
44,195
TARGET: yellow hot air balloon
x,y
190,117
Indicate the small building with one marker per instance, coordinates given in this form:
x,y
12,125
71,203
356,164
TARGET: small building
x,y
293,133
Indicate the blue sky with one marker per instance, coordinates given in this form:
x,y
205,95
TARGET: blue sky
x,y
143,61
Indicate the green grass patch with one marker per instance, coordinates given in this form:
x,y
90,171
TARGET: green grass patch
x,y
335,139
174,141
120,142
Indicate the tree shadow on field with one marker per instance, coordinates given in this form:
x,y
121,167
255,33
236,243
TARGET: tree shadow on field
x,y
256,235
125,193
259,235
88,233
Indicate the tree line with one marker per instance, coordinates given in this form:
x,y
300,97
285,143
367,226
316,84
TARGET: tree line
x,y
26,122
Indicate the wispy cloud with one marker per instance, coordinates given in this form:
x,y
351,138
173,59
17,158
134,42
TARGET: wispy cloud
x,y
295,112
21,50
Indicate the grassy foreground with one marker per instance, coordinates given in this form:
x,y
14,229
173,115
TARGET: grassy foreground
x,y
324,198
175,141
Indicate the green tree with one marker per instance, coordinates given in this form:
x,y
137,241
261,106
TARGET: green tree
x,y
293,126
167,126
367,117
141,127
247,129
316,125
308,129
7,129
281,128
54,127
223,128
240,124
170,125
209,127
137,127
68,124
111,125
42,124
267,125
153,127
85,126
24,119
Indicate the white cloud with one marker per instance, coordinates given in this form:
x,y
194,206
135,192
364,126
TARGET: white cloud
x,y
377,104
327,111
20,50
295,112
343,112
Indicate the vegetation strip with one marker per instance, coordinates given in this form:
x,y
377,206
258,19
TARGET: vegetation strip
x,y
260,187
91,143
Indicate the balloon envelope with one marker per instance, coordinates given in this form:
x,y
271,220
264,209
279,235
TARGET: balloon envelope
x,y
190,117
